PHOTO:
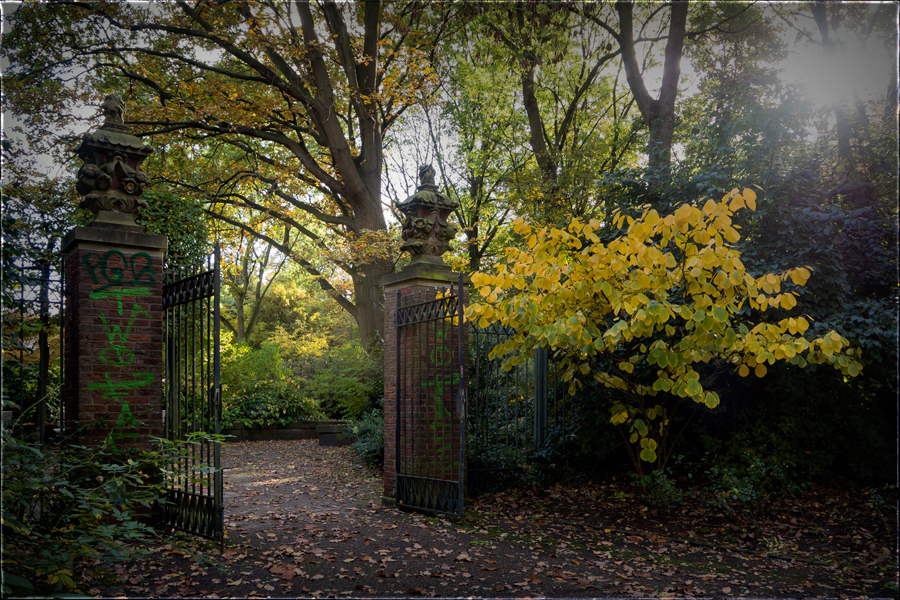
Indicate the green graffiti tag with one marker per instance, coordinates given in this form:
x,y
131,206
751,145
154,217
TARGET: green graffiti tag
x,y
114,265
438,358
440,384
123,355
126,419
119,293
441,357
123,278
117,389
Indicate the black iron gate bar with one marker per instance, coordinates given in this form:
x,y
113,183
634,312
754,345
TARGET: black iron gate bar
x,y
494,425
423,475
39,305
194,498
513,413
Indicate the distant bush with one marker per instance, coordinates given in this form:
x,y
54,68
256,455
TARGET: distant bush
x,y
368,437
269,403
658,491
344,380
258,391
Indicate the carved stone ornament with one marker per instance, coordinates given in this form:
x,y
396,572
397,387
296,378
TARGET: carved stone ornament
x,y
111,178
425,228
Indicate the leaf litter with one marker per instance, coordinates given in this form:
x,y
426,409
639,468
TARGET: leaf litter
x,y
306,520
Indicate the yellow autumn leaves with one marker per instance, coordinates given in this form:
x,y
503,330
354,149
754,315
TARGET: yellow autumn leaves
x,y
669,293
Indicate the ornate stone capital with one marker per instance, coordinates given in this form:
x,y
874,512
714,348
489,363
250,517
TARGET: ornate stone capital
x,y
111,179
426,229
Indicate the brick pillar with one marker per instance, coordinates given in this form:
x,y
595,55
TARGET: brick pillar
x,y
419,281
114,335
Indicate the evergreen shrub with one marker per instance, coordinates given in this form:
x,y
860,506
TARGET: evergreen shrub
x,y
368,437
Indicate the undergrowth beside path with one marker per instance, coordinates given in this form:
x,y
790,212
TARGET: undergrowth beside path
x,y
305,520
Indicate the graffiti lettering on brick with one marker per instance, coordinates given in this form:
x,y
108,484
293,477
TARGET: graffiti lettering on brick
x,y
119,294
123,278
116,388
439,358
117,353
115,269
126,420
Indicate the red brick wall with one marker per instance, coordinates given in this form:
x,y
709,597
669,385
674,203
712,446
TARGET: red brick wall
x,y
422,394
390,391
114,346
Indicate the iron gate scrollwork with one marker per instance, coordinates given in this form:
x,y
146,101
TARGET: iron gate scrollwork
x,y
193,487
431,401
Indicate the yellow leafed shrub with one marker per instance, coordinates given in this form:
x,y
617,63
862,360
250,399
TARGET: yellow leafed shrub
x,y
668,295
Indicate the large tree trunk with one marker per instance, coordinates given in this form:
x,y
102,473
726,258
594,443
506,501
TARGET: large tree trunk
x,y
536,125
659,113
660,148
369,300
367,291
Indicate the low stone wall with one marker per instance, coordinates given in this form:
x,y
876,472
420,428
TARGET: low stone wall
x,y
333,433
329,433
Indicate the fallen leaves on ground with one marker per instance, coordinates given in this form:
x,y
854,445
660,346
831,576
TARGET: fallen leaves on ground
x,y
306,520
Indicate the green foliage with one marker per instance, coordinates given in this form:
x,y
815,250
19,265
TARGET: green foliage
x,y
345,380
244,365
67,503
748,482
368,437
301,362
818,426
302,319
658,490
883,500
182,219
269,403
657,306
257,390
319,350
63,505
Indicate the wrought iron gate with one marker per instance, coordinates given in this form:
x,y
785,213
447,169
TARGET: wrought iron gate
x,y
193,498
501,414
431,401
513,414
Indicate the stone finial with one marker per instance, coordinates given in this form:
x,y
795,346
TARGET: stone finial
x,y
426,231
111,179
114,110
426,175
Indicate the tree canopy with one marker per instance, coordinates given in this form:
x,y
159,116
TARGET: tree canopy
x,y
294,125
278,108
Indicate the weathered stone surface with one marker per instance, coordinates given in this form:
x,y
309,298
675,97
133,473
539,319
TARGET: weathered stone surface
x,y
120,237
111,179
426,229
